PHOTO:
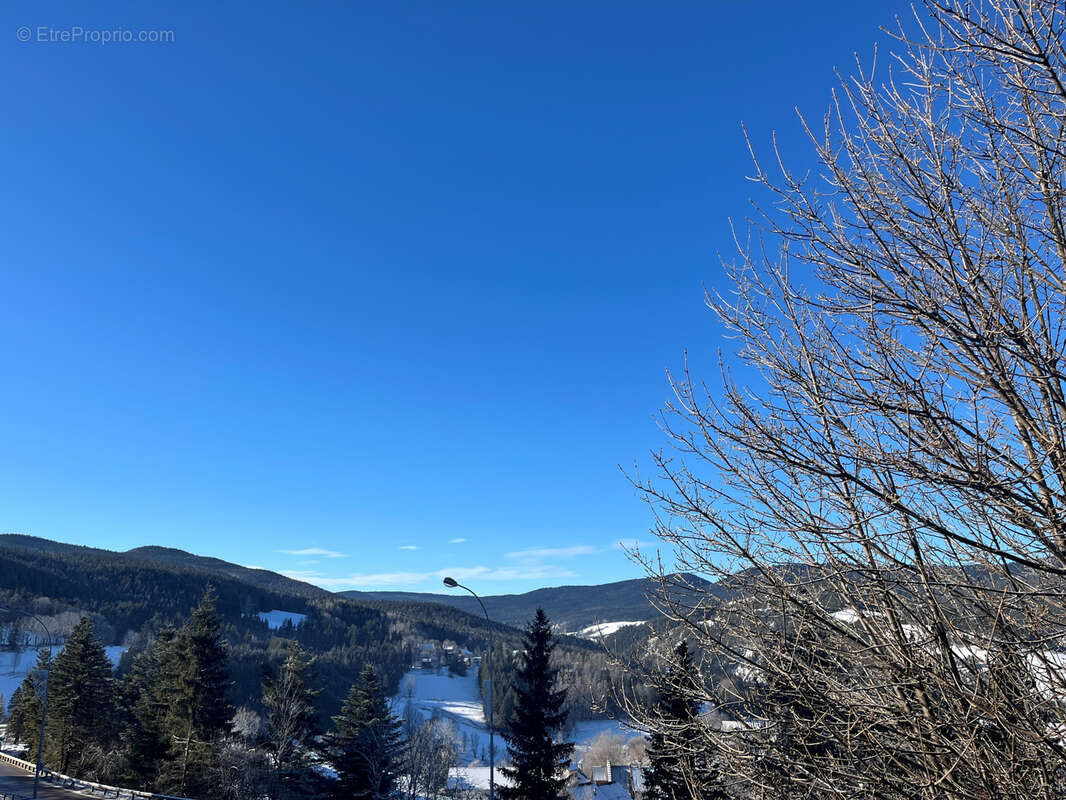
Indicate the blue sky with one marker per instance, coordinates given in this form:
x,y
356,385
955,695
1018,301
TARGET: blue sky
x,y
369,292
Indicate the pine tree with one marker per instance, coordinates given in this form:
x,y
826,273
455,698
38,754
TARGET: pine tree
x,y
81,702
537,760
291,722
365,746
679,765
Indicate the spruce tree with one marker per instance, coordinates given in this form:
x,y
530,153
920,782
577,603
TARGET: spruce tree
x,y
26,703
798,746
146,706
365,747
212,711
291,723
193,686
538,762
16,717
81,702
679,767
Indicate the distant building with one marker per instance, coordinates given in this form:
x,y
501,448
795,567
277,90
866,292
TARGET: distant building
x,y
427,656
609,782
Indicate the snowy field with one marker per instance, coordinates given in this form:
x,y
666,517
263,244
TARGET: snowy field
x,y
457,700
606,628
14,664
275,619
452,698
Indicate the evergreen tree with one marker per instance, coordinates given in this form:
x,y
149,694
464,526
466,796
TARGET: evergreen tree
x,y
537,760
81,702
365,746
16,717
679,767
145,704
797,747
192,685
291,722
26,704
211,709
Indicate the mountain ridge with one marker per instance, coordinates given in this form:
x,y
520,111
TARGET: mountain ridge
x,y
571,608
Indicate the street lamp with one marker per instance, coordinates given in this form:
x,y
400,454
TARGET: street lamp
x,y
44,701
452,583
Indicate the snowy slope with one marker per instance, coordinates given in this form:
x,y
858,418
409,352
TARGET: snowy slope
x,y
606,628
453,698
275,619
15,664
457,700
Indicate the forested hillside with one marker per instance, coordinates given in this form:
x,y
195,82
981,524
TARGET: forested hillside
x,y
570,608
131,596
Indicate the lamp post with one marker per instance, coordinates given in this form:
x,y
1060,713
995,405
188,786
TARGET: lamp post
x,y
44,703
451,583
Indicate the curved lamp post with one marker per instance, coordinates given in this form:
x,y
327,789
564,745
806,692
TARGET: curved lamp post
x,y
452,583
44,701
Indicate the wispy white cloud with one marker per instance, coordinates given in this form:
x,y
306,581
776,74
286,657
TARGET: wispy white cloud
x,y
410,547
373,580
386,578
540,553
457,540
361,580
314,551
519,573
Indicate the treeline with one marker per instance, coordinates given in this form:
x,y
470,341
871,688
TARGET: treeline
x,y
595,678
131,600
131,594
168,725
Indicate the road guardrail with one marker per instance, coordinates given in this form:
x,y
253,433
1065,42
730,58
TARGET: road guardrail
x,y
75,784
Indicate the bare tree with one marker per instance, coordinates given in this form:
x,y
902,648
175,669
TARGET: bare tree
x,y
431,749
880,494
291,724
247,724
239,772
607,747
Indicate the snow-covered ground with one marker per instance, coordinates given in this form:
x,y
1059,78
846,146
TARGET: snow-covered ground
x,y
15,664
275,619
466,778
606,628
453,698
457,699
